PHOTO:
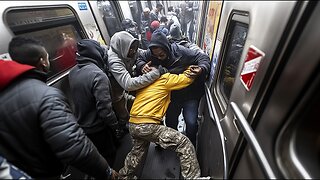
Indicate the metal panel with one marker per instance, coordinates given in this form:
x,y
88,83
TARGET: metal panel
x,y
267,22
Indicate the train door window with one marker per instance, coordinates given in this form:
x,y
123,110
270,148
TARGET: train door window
x,y
56,27
235,39
110,16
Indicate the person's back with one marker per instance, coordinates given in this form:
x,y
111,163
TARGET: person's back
x,y
94,109
38,132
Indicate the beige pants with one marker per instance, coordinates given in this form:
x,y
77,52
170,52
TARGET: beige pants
x,y
167,138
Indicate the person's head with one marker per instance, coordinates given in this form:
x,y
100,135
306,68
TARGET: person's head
x,y
121,43
159,46
133,49
146,11
130,26
90,50
159,7
154,25
159,53
170,8
175,31
29,51
163,19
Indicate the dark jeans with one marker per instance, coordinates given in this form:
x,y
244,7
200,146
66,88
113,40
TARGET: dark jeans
x,y
190,116
105,143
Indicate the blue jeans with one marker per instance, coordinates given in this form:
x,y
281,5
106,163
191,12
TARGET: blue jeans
x,y
190,116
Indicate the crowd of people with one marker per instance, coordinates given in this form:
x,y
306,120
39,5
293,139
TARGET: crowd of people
x,y
41,135
182,18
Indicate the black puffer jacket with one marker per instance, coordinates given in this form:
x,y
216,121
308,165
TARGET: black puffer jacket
x,y
90,87
38,132
179,58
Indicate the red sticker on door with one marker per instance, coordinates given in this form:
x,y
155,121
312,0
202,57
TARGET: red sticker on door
x,y
250,67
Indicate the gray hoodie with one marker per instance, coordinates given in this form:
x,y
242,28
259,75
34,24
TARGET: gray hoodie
x,y
121,66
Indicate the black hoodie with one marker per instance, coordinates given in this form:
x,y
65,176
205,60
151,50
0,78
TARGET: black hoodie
x,y
90,88
179,58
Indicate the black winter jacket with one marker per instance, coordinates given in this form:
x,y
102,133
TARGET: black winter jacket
x,y
90,87
38,132
178,60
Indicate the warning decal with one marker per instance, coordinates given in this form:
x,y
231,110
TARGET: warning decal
x,y
251,65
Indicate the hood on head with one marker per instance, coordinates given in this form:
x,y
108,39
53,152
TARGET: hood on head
x,y
175,31
159,39
120,43
90,50
9,70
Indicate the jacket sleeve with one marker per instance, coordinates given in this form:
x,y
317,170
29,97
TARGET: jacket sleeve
x,y
123,77
102,92
141,61
177,81
65,137
199,58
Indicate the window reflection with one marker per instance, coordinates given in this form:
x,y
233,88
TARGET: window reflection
x,y
233,54
60,43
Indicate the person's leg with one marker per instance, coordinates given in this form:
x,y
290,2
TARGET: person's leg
x,y
190,115
169,138
137,153
172,114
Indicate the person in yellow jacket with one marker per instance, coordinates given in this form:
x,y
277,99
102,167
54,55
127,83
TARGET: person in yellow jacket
x,y
145,126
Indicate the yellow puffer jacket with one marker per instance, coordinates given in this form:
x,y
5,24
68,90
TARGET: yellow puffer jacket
x,y
151,102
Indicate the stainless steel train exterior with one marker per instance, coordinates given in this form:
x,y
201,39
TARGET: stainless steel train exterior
x,y
259,117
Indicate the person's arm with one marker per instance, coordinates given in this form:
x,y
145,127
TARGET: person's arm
x,y
198,58
141,61
66,139
178,81
123,77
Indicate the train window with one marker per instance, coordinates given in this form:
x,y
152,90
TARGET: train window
x,y
235,40
110,16
57,28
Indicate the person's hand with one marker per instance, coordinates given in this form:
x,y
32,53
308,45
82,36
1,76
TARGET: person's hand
x,y
196,69
147,68
193,71
116,175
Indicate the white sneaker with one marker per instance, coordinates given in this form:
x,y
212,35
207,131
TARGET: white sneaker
x,y
205,178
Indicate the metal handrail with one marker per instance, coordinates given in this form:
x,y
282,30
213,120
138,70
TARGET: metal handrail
x,y
251,138
214,116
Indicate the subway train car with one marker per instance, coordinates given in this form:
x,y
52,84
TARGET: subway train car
x,y
260,119
259,116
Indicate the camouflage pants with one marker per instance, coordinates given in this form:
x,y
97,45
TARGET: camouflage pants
x,y
167,138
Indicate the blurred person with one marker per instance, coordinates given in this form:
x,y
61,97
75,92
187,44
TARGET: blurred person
x,y
38,132
176,36
91,94
131,27
145,27
122,56
187,19
164,25
156,13
177,57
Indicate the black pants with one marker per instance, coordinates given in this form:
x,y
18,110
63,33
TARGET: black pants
x,y
105,143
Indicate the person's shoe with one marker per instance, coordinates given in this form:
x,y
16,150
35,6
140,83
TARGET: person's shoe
x,y
205,178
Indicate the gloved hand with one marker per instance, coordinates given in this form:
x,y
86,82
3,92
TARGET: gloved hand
x,y
162,70
117,130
